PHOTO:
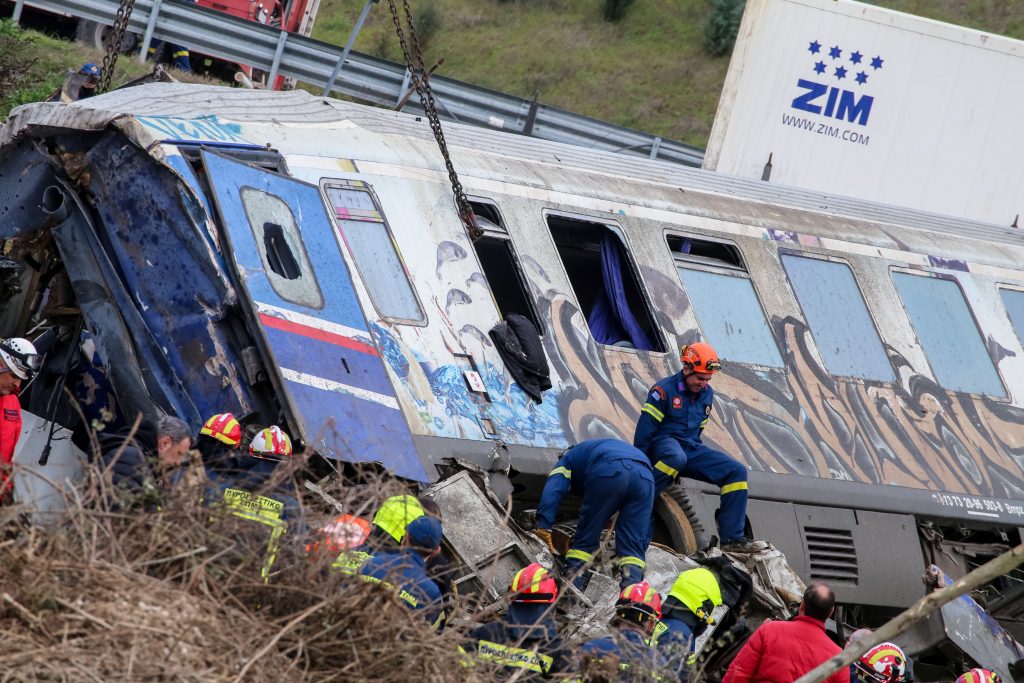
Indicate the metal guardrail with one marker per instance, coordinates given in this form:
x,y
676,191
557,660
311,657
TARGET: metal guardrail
x,y
365,77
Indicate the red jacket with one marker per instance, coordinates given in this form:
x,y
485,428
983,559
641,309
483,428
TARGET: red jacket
x,y
783,651
10,430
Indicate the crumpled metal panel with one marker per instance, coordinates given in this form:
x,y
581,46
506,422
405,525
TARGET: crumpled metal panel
x,y
168,269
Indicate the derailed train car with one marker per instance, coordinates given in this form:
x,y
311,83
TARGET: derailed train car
x,y
299,260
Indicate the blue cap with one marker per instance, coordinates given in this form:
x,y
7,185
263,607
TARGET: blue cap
x,y
424,532
90,70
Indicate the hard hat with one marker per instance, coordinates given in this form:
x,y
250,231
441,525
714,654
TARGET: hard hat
x,y
21,357
701,357
979,676
698,589
342,533
884,663
396,513
425,532
639,602
534,584
91,70
271,442
224,428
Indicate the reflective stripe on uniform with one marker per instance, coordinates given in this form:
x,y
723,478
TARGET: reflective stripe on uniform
x,y
575,554
350,561
262,510
629,559
403,594
705,423
564,471
659,630
516,657
653,412
666,468
732,488
179,54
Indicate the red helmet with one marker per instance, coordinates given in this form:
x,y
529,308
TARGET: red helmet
x,y
342,533
884,663
639,602
979,676
224,428
271,442
534,584
701,357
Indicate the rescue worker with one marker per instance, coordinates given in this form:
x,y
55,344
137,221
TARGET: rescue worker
x,y
686,613
636,614
178,53
979,676
884,663
19,361
612,477
133,460
237,483
92,73
677,410
527,637
388,529
403,571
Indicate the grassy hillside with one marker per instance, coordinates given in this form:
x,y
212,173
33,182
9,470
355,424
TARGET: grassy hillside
x,y
33,65
648,71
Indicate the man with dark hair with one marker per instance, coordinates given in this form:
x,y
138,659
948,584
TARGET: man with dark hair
x,y
783,651
130,458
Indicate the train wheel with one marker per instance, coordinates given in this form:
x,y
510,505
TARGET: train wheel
x,y
674,510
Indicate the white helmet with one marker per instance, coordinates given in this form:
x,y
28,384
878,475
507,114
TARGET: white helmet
x,y
20,356
271,442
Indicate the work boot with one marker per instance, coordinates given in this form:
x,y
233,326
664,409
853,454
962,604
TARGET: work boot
x,y
578,572
629,574
744,546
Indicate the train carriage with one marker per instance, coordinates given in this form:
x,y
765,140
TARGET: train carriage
x,y
290,257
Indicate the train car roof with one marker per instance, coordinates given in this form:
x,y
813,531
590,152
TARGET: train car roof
x,y
299,108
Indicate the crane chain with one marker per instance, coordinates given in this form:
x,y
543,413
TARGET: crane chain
x,y
421,81
124,13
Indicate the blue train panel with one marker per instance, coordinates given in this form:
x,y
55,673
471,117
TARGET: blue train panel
x,y
288,259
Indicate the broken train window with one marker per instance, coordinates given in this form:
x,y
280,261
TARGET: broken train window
x,y
374,252
501,267
606,283
281,249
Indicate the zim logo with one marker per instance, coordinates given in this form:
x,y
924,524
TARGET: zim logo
x,y
825,93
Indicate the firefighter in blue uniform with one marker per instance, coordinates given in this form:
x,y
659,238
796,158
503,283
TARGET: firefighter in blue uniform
x,y
611,476
636,614
403,571
669,432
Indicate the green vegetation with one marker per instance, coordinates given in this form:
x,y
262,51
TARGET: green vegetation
x,y
33,65
649,70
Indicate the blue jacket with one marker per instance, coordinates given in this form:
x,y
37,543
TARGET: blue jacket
x,y
576,464
637,659
671,410
404,572
511,641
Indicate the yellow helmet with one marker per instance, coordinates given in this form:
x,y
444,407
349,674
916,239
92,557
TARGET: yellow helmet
x,y
698,589
396,513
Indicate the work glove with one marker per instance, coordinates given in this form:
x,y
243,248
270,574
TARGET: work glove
x,y
545,535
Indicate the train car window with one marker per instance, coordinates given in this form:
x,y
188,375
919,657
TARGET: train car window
x,y
368,238
705,252
948,334
284,256
838,318
500,266
606,283
1013,300
737,329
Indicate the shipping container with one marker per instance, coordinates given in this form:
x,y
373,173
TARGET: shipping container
x,y
852,99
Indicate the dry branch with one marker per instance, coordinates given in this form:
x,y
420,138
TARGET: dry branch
x,y
918,611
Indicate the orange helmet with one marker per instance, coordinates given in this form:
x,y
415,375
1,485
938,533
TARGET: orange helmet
x,y
884,663
344,532
979,676
224,428
701,357
271,442
639,602
534,584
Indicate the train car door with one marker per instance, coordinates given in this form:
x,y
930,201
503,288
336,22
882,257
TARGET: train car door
x,y
289,269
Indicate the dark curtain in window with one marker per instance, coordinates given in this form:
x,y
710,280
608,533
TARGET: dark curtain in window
x,y
610,320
